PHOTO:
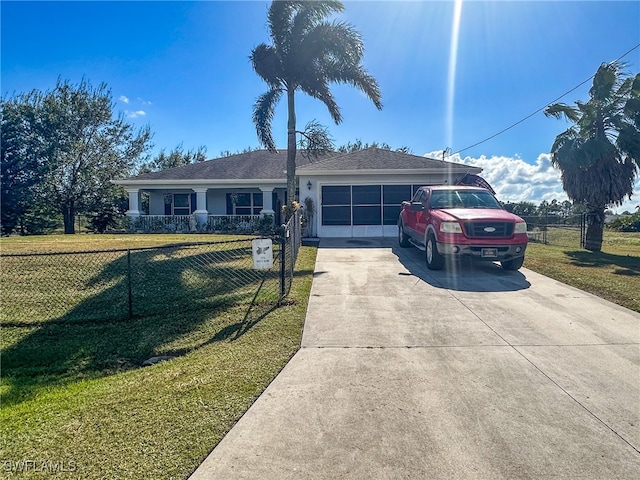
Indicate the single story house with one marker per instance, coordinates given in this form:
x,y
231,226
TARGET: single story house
x,y
354,194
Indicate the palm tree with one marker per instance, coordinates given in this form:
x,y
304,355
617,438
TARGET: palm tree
x,y
599,155
308,53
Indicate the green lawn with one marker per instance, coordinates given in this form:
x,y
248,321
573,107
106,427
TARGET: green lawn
x,y
97,284
613,274
91,242
76,394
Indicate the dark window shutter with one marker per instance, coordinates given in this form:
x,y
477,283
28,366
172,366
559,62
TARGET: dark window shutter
x,y
229,205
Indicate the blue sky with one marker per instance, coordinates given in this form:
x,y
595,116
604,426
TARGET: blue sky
x,y
182,68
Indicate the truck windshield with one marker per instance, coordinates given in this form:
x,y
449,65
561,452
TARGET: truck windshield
x,y
463,199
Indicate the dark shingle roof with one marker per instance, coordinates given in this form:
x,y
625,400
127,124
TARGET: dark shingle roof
x,y
265,165
257,164
378,159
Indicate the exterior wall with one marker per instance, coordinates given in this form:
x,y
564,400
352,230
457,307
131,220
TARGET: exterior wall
x,y
216,198
311,187
317,182
156,202
217,202
359,231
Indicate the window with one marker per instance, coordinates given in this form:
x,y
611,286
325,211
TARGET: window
x,y
463,199
179,203
366,205
393,196
336,205
366,195
244,203
396,194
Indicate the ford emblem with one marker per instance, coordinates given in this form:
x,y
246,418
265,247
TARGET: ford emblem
x,y
489,229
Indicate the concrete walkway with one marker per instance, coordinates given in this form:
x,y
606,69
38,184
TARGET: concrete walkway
x,y
474,373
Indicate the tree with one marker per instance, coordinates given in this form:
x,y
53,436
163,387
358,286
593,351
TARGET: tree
x,y
175,158
107,210
358,145
85,147
228,153
307,54
60,150
524,209
23,161
566,208
599,155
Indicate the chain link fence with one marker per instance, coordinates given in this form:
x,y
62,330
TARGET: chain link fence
x,y
566,231
124,284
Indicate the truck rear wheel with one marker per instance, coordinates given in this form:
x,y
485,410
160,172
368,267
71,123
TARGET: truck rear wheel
x,y
435,261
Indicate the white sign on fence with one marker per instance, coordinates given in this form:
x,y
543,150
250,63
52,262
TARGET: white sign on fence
x,y
262,253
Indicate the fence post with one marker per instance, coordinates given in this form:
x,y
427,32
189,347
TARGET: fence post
x,y
283,263
129,284
546,227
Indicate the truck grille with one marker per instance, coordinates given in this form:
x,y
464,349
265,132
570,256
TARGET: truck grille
x,y
488,229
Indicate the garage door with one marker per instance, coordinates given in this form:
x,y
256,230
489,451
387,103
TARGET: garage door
x,y
362,210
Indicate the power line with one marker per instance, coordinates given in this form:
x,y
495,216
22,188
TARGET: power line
x,y
542,108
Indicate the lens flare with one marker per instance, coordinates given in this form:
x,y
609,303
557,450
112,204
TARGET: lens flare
x,y
453,59
451,90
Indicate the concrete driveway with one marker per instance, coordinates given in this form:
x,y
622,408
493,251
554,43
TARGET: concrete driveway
x,y
473,373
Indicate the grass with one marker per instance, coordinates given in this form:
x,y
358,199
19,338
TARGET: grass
x,y
72,287
91,242
613,273
75,394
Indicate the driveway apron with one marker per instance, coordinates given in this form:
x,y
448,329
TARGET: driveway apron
x,y
469,372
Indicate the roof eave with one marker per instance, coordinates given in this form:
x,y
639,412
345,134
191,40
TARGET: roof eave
x,y
200,182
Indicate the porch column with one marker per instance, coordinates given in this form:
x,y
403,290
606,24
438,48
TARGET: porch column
x,y
134,209
201,213
267,202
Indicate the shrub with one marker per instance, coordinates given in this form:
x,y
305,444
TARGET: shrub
x,y
628,223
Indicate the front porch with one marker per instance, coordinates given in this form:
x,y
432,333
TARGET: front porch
x,y
202,209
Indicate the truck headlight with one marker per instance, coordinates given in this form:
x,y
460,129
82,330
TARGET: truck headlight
x,y
521,227
450,227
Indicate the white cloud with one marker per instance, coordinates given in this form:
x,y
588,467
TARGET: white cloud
x,y
136,114
515,180
124,99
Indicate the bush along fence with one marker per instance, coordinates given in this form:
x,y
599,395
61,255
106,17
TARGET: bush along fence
x,y
125,284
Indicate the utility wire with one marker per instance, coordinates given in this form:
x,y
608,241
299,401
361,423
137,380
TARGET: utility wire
x,y
542,108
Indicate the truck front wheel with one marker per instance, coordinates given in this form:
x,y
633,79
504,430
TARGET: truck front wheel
x,y
513,264
435,261
403,238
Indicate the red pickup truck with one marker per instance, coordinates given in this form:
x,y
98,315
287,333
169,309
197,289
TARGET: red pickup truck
x,y
451,221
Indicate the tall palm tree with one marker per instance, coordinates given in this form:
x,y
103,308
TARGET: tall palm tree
x,y
308,52
599,155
